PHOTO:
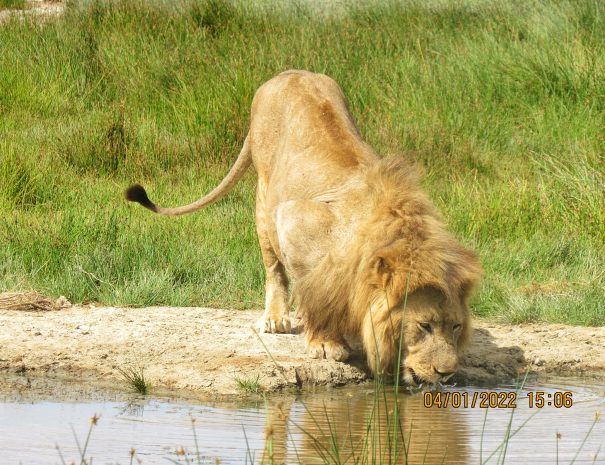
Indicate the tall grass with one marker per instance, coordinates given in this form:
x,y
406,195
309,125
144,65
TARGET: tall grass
x,y
12,4
501,103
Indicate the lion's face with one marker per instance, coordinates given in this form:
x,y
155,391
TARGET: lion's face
x,y
434,319
434,331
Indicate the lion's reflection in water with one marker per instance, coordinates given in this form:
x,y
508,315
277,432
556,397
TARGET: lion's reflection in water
x,y
360,429
295,428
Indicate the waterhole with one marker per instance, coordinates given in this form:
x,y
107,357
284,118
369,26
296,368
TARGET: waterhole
x,y
342,425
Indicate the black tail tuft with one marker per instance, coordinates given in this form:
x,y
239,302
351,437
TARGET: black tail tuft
x,y
137,193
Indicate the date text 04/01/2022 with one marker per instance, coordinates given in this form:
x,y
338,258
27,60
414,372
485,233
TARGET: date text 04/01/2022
x,y
496,399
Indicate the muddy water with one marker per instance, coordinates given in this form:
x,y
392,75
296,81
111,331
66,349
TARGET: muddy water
x,y
161,430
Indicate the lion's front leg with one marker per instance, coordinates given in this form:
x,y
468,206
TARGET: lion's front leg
x,y
304,230
334,348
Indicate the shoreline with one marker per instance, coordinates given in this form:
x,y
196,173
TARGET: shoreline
x,y
202,352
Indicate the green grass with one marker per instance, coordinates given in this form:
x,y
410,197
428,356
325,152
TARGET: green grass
x,y
12,4
249,385
502,104
136,380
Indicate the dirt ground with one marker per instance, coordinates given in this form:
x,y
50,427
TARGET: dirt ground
x,y
203,352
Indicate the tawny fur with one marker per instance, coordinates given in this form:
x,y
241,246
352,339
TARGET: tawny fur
x,y
353,231
403,246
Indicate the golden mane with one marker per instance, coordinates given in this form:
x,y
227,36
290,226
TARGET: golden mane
x,y
405,239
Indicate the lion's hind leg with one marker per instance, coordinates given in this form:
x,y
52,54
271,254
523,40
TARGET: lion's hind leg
x,y
276,318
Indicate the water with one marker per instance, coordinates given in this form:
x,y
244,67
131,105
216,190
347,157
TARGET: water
x,y
235,433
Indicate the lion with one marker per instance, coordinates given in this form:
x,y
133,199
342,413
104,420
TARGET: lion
x,y
369,257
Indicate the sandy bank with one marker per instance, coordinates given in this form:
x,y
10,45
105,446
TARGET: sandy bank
x,y
204,351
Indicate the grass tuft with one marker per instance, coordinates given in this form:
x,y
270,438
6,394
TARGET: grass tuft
x,y
22,184
212,15
12,4
250,385
136,380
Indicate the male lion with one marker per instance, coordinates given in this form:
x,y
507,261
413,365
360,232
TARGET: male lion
x,y
353,231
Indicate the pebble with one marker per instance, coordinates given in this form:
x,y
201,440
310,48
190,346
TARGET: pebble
x,y
83,329
62,302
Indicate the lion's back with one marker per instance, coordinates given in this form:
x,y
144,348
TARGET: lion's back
x,y
300,123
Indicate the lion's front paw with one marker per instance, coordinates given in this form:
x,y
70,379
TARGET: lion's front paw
x,y
278,324
315,349
336,351
328,349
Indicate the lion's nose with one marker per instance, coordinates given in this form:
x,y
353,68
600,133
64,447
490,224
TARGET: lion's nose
x,y
444,373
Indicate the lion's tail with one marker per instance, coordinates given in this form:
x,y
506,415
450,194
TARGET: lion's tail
x,y
136,192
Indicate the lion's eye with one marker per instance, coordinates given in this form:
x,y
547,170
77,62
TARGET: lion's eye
x,y
426,327
457,327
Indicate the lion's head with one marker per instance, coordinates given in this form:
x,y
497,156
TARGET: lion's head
x,y
429,308
434,331
417,283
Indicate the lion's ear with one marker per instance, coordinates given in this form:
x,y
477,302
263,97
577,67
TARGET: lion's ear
x,y
383,267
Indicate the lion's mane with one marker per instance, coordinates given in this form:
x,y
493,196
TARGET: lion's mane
x,y
404,236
